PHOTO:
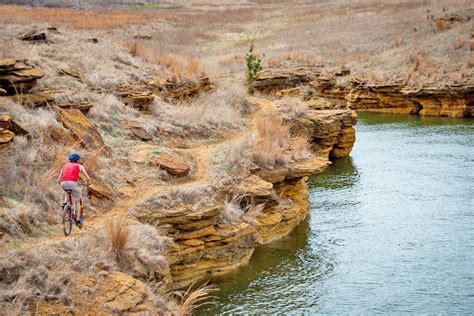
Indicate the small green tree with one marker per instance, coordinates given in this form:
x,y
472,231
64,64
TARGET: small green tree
x,y
254,65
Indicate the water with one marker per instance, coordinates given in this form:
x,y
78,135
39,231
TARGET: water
x,y
391,230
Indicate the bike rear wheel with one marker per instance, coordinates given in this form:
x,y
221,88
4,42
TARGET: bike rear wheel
x,y
67,220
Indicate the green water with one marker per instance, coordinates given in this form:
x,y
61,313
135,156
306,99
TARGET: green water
x,y
390,230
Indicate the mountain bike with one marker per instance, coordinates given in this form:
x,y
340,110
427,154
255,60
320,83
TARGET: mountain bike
x,y
70,213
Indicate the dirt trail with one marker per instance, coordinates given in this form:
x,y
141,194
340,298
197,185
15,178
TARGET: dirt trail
x,y
146,189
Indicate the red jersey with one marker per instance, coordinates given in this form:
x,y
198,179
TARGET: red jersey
x,y
70,172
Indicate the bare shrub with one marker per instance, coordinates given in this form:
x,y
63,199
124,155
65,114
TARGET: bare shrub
x,y
252,213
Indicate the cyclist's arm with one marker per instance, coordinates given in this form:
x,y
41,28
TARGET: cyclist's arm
x,y
83,170
60,174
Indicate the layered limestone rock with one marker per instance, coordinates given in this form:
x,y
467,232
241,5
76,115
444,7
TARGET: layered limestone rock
x,y
82,129
17,76
338,90
453,101
330,132
274,80
205,245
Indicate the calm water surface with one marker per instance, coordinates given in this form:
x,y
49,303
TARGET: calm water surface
x,y
391,230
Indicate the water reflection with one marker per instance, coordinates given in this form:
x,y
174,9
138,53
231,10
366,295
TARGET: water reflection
x,y
341,174
390,230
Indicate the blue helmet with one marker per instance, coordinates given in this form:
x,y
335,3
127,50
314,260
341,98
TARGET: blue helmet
x,y
74,157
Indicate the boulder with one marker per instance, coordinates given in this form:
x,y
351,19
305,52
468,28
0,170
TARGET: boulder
x,y
7,123
34,36
33,100
82,129
61,135
99,190
171,164
135,131
16,76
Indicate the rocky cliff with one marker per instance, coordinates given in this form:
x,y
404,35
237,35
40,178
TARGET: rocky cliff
x,y
337,89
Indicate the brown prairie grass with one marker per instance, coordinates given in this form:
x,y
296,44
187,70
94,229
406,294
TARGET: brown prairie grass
x,y
193,299
118,233
272,137
81,19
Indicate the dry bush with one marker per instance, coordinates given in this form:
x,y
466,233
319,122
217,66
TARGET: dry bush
x,y
195,196
118,233
292,107
471,44
300,148
459,43
239,207
209,116
441,25
272,138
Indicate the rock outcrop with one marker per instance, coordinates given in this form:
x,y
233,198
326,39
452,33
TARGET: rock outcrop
x,y
8,129
454,101
330,132
205,245
338,90
17,77
172,165
82,129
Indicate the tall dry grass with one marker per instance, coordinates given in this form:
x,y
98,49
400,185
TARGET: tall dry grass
x,y
118,234
81,19
273,137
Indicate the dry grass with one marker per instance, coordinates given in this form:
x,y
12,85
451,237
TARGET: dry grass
x,y
272,138
193,299
459,43
118,233
81,19
292,108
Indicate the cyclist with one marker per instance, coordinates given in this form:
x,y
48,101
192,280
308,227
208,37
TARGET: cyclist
x,y
68,180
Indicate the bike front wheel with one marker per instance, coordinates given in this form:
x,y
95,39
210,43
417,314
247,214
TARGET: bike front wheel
x,y
67,220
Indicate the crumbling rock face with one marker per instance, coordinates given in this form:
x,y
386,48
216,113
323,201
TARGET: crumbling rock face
x,y
17,77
